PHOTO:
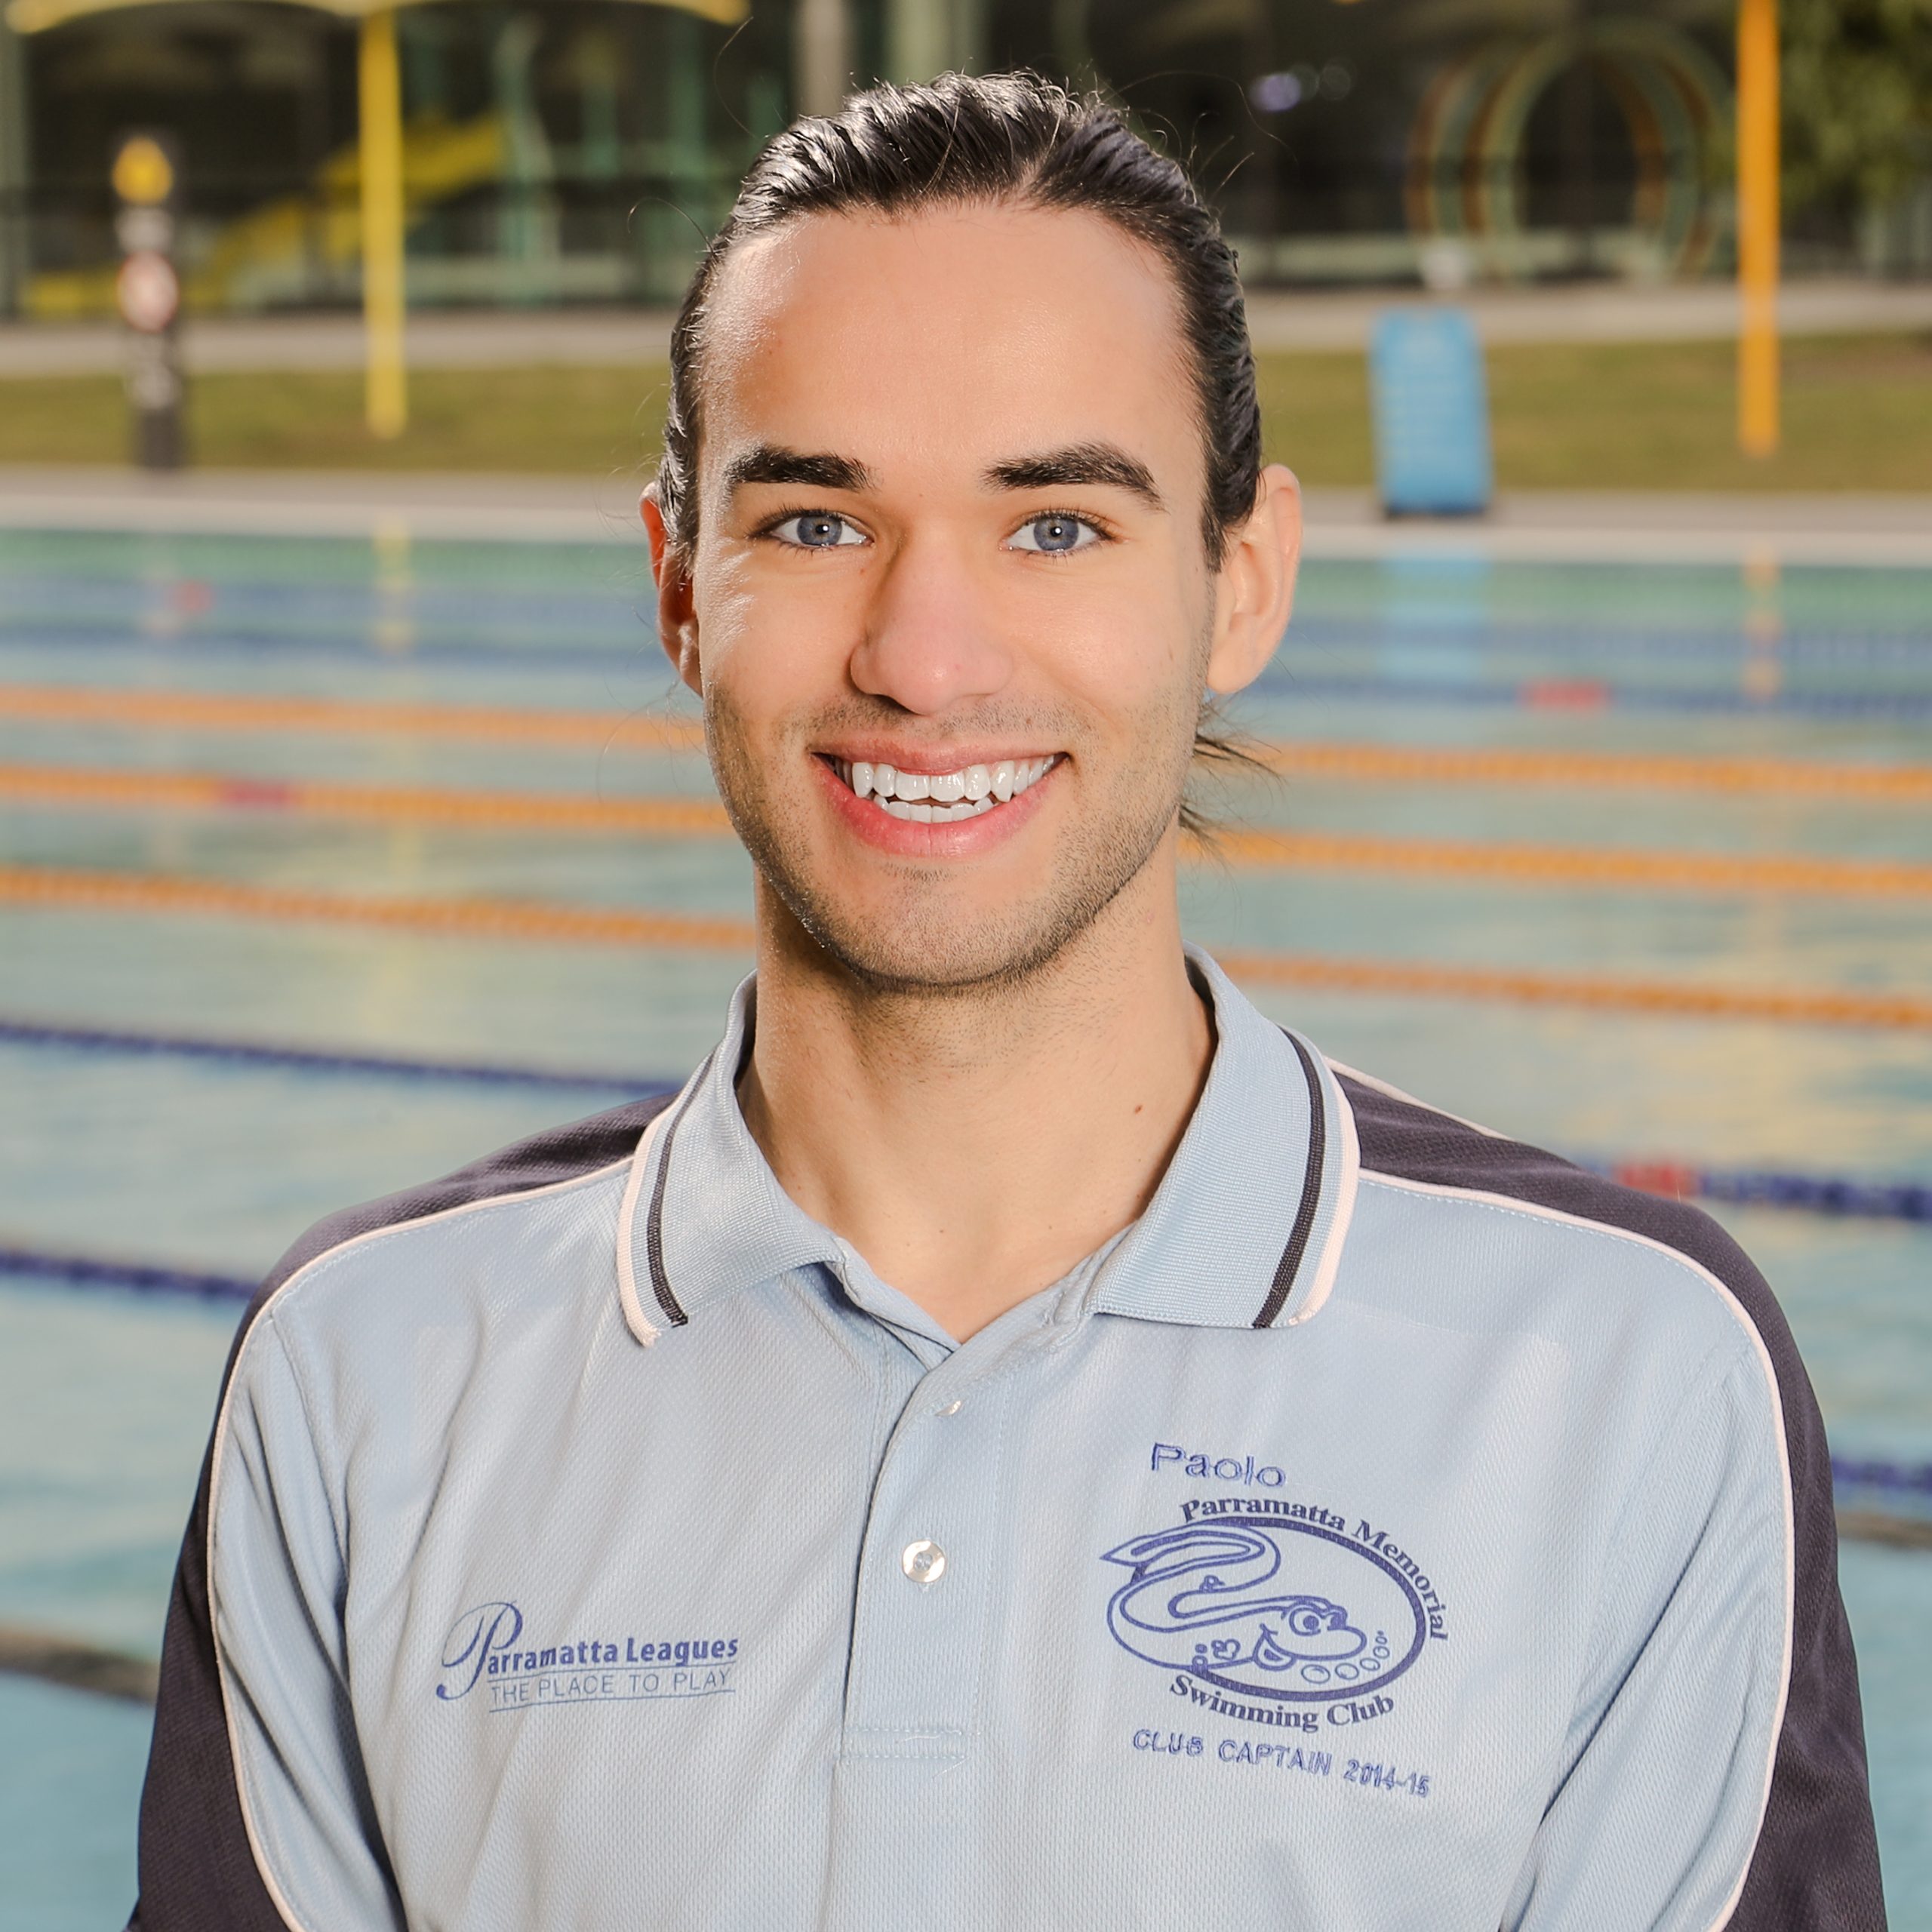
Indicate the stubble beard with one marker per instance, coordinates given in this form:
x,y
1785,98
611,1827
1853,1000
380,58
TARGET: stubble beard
x,y
921,946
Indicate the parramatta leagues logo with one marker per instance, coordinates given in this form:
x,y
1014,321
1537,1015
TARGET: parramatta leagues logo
x,y
1275,1599
488,1646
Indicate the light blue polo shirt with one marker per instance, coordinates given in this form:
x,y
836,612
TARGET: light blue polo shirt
x,y
595,1540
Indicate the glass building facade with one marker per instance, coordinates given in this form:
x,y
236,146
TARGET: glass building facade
x,y
576,151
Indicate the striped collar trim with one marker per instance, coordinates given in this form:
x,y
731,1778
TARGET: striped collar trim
x,y
703,1215
1246,1229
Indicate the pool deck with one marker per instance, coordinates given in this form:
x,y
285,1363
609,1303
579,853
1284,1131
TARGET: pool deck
x,y
1279,319
1527,526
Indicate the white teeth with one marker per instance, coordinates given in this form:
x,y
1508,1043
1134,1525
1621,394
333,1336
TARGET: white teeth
x,y
928,814
937,798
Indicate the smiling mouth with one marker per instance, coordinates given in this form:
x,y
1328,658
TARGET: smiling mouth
x,y
939,798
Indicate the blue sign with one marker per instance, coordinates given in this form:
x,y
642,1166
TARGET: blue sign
x,y
1431,408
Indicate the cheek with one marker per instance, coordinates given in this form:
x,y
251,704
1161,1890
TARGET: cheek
x,y
773,643
1130,652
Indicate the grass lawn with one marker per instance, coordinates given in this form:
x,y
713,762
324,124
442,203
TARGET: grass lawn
x,y
1858,416
1642,416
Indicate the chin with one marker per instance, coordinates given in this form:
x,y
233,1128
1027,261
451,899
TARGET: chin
x,y
938,944
929,958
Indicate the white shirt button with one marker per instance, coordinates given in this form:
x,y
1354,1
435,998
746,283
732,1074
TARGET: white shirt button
x,y
924,1561
953,1407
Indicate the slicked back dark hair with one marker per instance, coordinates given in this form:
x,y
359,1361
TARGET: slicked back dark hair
x,y
1015,139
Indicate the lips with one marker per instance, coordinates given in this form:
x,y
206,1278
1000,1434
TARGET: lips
x,y
945,823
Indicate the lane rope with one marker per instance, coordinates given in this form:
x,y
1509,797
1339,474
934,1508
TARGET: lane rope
x,y
1384,764
76,1663
16,1033
1598,867
166,894
417,804
224,712
1595,694
1595,867
1837,1194
94,1271
1884,1476
1812,1006
1758,693
498,918
1823,1194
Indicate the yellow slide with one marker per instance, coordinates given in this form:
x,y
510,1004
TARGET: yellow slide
x,y
271,250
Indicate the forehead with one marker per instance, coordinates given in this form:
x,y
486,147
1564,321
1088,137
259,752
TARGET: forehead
x,y
948,339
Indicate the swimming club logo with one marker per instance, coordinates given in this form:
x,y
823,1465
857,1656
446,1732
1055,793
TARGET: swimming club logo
x,y
488,1650
1273,1599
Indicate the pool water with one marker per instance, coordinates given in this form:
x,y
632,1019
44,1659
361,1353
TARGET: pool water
x,y
214,1165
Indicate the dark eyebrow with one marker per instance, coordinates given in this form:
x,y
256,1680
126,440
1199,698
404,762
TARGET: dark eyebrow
x,y
766,463
1083,463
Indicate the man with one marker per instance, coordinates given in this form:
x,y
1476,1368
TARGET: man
x,y
1020,1441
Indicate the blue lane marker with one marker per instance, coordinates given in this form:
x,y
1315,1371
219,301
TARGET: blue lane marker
x,y
1281,678
1818,1194
1822,1194
622,655
1592,694
1903,1480
249,1053
93,1270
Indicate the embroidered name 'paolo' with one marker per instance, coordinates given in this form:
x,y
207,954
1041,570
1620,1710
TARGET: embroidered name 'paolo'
x,y
1216,1468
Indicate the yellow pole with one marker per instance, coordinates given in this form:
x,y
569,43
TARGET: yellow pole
x,y
381,113
1758,226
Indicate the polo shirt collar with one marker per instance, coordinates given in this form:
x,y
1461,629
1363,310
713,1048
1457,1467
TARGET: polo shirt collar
x,y
1245,1230
1246,1227
703,1214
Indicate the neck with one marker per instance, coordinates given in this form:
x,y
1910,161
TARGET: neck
x,y
975,1145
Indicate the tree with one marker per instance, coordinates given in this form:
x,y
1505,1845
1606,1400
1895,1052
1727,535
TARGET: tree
x,y
1857,86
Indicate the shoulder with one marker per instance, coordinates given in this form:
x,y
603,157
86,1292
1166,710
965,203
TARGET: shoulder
x,y
406,1250
1602,1254
1814,1862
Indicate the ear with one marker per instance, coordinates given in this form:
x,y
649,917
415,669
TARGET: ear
x,y
677,614
1255,590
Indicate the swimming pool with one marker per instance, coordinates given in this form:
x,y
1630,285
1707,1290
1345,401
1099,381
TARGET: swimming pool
x,y
1610,819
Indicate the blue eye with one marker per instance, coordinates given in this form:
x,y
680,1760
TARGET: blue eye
x,y
1054,536
817,529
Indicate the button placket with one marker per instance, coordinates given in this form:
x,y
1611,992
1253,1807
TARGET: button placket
x,y
919,1621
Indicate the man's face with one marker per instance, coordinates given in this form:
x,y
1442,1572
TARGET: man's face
x,y
950,543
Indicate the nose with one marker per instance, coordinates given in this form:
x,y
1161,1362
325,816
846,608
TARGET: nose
x,y
930,641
